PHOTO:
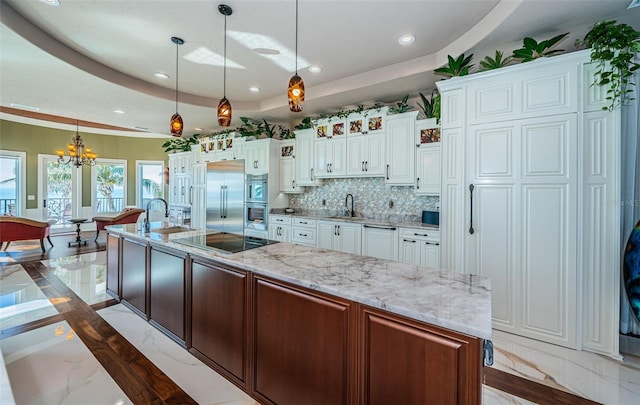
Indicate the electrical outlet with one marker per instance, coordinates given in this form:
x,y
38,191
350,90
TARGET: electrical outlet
x,y
390,203
324,202
31,197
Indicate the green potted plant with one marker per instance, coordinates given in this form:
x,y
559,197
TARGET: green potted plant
x,y
431,106
402,106
179,144
497,62
613,47
456,67
304,124
531,49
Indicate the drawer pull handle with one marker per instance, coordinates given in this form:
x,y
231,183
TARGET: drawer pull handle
x,y
303,234
409,240
390,228
421,234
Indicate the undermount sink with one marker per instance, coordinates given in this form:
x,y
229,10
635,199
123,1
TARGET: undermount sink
x,y
170,229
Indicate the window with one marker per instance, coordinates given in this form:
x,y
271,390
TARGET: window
x,y
12,180
149,181
109,185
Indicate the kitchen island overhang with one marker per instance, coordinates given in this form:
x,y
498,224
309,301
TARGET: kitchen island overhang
x,y
457,302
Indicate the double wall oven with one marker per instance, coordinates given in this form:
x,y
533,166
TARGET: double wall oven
x,y
256,207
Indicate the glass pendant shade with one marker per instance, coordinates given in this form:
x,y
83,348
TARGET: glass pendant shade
x,y
296,93
176,125
224,113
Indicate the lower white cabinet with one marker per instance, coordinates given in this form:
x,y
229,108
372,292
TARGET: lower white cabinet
x,y
380,241
280,228
303,231
419,247
340,236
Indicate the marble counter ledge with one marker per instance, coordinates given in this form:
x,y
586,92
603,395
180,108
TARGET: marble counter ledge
x,y
460,302
333,216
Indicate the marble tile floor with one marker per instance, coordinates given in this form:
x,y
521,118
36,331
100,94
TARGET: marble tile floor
x,y
535,364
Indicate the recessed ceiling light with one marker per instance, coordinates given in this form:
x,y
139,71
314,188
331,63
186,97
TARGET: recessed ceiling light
x,y
315,69
266,51
161,75
51,2
254,89
406,39
118,111
198,129
24,107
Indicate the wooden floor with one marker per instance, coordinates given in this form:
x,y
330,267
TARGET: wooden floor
x,y
138,377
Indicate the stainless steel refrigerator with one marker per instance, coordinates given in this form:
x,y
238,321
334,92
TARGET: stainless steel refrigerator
x,y
225,196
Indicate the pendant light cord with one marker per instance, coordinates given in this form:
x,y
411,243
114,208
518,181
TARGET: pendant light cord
x,y
224,71
177,46
296,37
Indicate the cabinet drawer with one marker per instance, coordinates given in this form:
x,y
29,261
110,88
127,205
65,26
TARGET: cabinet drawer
x,y
304,222
280,219
304,236
421,234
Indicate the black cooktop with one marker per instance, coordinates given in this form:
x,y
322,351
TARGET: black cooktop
x,y
225,242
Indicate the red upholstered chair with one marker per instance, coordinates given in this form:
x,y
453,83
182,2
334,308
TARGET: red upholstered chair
x,y
17,228
127,216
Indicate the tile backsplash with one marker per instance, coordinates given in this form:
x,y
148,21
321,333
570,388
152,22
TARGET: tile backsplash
x,y
371,199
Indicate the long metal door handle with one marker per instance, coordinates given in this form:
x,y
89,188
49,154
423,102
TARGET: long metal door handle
x,y
293,182
312,174
190,195
390,228
366,165
221,199
362,166
335,230
471,230
338,230
327,167
387,172
417,182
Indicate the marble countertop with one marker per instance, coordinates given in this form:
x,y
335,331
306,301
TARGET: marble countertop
x,y
460,302
362,220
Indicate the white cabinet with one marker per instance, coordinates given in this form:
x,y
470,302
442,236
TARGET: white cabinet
x,y
179,178
303,231
223,147
369,122
305,171
288,172
400,156
365,155
427,158
340,236
330,157
380,241
419,246
528,176
259,155
280,228
198,196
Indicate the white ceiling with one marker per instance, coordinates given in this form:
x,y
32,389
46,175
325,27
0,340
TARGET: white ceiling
x,y
85,58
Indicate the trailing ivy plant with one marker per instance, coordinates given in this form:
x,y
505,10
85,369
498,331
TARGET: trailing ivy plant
x,y
531,49
497,62
456,67
613,47
402,106
179,144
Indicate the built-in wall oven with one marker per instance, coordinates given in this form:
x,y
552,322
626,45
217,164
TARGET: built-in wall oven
x,y
256,207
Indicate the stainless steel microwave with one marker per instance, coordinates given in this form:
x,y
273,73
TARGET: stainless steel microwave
x,y
257,188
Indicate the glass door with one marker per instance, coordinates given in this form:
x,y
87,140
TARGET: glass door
x,y
60,192
12,175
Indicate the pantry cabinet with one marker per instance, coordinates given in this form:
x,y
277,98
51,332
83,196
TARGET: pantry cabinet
x,y
198,196
529,170
305,169
179,178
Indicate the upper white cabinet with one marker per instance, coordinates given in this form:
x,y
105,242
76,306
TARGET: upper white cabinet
x,y
365,155
400,154
529,168
221,148
180,163
427,158
330,157
305,171
368,122
179,178
380,241
288,172
261,156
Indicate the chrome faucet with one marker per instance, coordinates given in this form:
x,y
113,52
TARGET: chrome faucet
x,y
350,211
147,224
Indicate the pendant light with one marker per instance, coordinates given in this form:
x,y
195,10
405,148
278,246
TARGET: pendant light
x,y
224,107
296,85
176,120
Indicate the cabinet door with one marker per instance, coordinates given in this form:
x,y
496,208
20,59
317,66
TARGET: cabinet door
x,y
198,196
400,162
302,346
166,293
430,365
338,163
134,276
355,156
113,265
322,157
327,233
409,251
281,233
219,313
288,182
430,254
349,238
428,170
305,158
257,157
380,242
374,155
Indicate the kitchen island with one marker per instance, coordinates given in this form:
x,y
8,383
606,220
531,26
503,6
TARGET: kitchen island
x,y
292,324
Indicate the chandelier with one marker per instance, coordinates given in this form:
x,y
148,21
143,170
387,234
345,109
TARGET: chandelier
x,y
78,153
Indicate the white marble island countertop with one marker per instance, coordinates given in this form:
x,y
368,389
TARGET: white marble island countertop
x,y
460,302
